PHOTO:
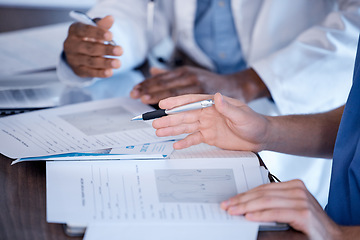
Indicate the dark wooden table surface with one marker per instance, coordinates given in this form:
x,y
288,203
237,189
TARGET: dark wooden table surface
x,y
23,205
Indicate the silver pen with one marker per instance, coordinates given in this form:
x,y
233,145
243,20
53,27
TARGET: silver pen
x,y
164,112
85,19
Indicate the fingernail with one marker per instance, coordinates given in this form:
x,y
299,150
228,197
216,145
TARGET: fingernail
x,y
115,64
232,210
225,204
107,36
108,72
221,98
146,97
135,94
117,51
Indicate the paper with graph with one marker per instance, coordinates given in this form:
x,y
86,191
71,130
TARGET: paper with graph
x,y
181,190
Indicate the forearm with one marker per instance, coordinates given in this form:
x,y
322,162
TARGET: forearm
x,y
348,233
306,135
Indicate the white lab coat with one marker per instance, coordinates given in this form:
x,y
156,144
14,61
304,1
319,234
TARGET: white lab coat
x,y
304,50
291,44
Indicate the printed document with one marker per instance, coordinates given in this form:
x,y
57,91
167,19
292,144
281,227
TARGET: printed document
x,y
179,231
181,190
144,151
76,128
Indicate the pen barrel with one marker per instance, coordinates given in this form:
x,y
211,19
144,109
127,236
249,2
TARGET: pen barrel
x,y
154,114
191,106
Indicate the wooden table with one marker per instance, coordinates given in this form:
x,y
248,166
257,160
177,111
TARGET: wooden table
x,y
23,205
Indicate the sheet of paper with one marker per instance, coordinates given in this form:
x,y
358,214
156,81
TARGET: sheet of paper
x,y
158,150
188,231
31,49
76,128
186,190
206,151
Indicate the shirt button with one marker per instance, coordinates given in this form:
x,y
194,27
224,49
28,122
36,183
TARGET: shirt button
x,y
185,34
222,55
221,3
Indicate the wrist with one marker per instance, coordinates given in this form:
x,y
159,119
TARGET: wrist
x,y
271,137
248,85
345,232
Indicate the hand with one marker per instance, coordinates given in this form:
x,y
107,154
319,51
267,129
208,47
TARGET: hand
x,y
230,124
245,85
85,49
287,202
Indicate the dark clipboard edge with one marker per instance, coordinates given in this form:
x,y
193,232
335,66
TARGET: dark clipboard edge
x,y
79,231
273,179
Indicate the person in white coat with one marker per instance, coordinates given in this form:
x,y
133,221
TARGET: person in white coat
x,y
296,55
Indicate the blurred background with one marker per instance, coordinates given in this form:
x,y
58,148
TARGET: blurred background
x,y
20,14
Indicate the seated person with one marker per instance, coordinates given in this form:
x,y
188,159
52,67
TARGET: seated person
x,y
231,124
244,49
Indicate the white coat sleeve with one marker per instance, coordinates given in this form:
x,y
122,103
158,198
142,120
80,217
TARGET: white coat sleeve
x,y
314,72
129,32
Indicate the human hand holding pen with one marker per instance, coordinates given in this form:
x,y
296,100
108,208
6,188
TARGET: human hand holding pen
x,y
85,49
230,124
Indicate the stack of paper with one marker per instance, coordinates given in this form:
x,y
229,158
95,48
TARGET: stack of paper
x,y
159,198
91,130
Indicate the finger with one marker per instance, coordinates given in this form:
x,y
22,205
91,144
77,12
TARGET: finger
x,y
177,130
172,102
272,200
135,92
188,141
93,62
296,218
106,22
177,119
227,109
81,30
83,71
158,81
174,85
96,49
155,97
155,71
294,188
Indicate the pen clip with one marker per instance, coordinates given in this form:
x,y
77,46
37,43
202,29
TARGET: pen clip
x,y
207,103
82,17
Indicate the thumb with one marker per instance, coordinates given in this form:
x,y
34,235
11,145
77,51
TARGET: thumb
x,y
156,71
106,22
225,108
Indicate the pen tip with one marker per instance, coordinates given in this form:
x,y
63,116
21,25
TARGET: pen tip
x,y
137,118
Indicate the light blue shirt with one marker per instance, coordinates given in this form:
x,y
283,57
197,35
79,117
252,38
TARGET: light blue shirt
x,y
216,35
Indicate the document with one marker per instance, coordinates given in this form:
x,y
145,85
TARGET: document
x,y
79,127
32,49
179,231
204,150
158,150
136,191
